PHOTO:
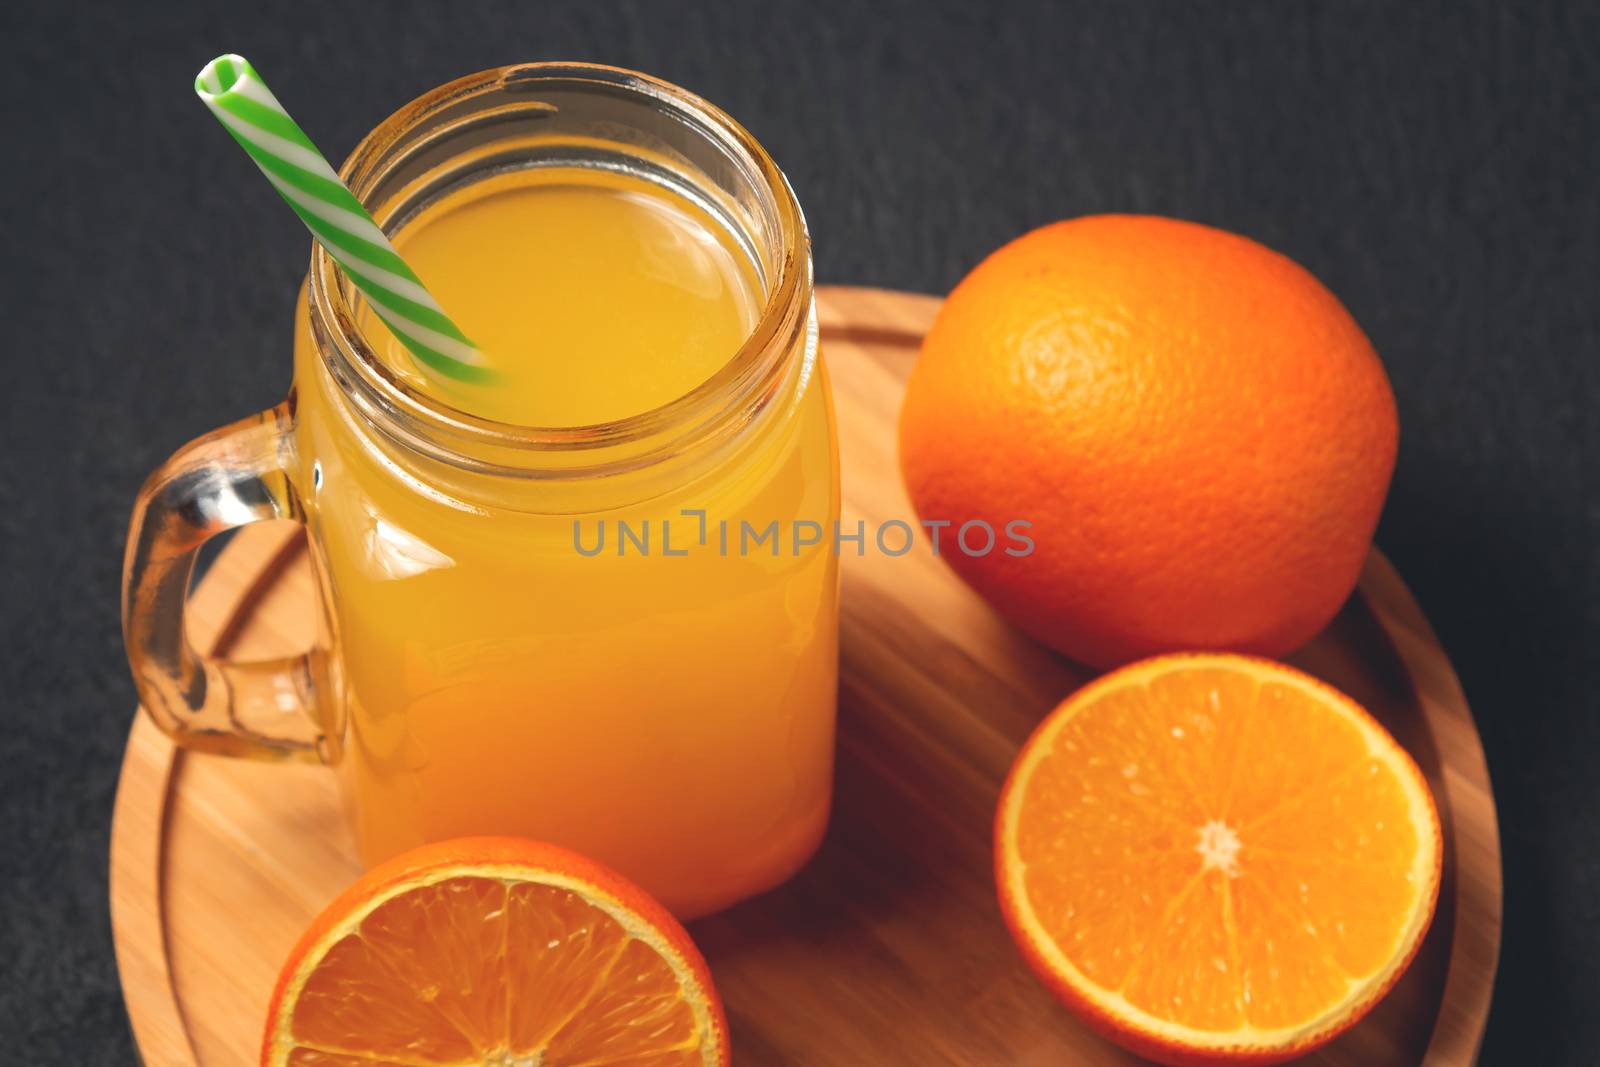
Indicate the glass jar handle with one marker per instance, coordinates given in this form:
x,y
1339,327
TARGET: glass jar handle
x,y
223,480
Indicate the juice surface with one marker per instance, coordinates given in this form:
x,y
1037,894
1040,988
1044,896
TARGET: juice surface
x,y
671,716
592,295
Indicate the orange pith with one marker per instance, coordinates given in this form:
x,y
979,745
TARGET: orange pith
x,y
1216,859
494,952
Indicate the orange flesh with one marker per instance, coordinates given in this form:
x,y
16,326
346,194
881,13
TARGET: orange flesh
x,y
1223,850
479,970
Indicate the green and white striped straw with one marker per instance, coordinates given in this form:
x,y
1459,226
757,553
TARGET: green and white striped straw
x,y
241,101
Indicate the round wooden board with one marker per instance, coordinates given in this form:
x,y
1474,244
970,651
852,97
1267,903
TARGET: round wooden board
x,y
888,948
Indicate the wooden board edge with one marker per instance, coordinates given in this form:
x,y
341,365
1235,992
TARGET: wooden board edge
x,y
138,821
895,317
138,931
1469,810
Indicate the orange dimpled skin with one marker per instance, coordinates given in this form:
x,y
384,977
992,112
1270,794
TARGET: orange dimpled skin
x,y
1215,859
494,952
1200,434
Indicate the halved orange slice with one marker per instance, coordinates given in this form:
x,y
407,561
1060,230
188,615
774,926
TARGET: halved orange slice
x,y
494,952
1216,859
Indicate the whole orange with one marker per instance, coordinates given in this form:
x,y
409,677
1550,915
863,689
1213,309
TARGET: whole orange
x,y
1198,432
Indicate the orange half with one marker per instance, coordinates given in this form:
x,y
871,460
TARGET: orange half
x,y
494,952
1216,858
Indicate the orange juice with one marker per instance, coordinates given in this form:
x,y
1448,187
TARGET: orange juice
x,y
665,703
592,295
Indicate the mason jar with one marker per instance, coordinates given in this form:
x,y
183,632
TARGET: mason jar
x,y
619,637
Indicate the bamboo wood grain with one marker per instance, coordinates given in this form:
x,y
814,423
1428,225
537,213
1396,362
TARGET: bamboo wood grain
x,y
888,948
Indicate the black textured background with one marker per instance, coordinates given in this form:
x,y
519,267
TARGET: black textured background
x,y
1435,164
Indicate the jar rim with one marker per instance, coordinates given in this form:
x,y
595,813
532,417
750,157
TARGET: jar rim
x,y
437,428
